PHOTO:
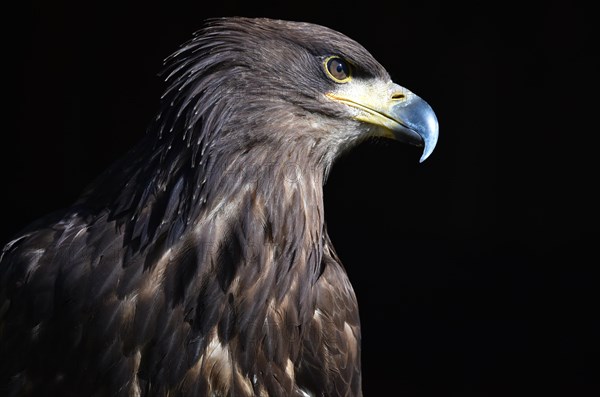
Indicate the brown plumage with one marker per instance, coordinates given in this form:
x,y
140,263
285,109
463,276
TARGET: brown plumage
x,y
199,264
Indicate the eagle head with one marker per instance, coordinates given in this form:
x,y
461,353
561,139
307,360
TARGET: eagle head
x,y
245,84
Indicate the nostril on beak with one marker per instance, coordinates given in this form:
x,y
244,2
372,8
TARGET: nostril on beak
x,y
398,96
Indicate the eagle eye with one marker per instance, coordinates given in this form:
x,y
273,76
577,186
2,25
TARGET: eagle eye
x,y
337,69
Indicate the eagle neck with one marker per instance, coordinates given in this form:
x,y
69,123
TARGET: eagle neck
x,y
275,210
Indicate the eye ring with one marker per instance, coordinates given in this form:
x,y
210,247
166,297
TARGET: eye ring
x,y
337,69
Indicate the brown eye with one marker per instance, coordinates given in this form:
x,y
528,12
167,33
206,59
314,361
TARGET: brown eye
x,y
337,69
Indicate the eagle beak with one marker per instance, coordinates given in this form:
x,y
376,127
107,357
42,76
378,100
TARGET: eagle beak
x,y
416,124
395,112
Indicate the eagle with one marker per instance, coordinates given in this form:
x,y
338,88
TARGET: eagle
x,y
199,263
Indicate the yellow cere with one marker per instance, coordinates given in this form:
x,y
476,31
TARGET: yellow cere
x,y
372,102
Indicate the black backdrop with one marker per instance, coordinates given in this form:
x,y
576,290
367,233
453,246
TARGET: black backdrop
x,y
475,271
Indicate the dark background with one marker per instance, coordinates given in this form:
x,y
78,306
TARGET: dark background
x,y
475,271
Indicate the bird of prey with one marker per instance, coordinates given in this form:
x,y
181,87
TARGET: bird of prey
x,y
199,263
